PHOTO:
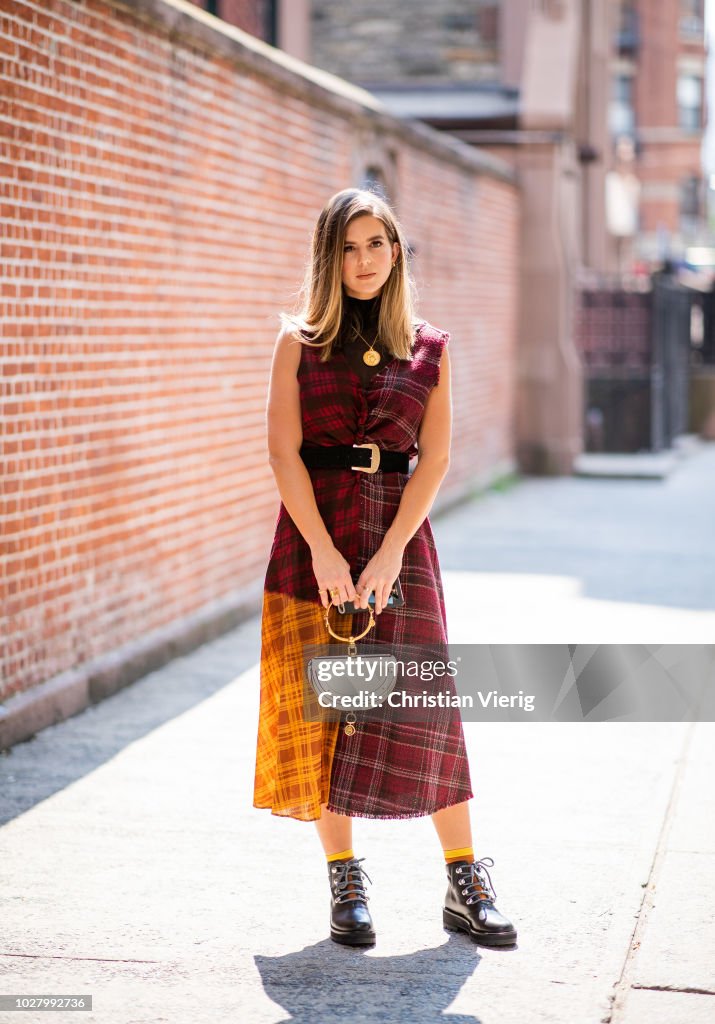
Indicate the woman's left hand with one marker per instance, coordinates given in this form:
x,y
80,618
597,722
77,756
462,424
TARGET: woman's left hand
x,y
379,575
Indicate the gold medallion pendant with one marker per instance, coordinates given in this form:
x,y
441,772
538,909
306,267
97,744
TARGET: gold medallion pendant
x,y
371,357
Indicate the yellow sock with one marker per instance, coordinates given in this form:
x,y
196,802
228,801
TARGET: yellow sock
x,y
465,853
343,855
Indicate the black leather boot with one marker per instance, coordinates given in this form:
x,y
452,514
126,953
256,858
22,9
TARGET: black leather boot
x,y
350,921
469,904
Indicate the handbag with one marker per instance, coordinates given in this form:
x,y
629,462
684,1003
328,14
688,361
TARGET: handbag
x,y
340,675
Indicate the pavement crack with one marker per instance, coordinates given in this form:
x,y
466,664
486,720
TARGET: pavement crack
x,y
690,989
624,983
98,959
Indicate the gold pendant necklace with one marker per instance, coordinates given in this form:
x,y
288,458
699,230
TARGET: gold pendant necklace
x,y
371,357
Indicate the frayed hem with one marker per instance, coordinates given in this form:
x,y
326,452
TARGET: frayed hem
x,y
399,816
390,816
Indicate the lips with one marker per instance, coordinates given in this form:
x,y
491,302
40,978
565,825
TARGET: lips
x,y
361,276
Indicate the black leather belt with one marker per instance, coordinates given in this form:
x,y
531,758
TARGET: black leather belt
x,y
367,458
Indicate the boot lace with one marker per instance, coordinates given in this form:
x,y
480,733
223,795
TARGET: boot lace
x,y
476,887
346,873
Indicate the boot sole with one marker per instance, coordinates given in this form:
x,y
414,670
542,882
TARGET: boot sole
x,y
354,938
457,924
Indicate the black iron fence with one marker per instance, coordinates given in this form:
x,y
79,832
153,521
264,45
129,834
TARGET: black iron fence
x,y
637,349
705,349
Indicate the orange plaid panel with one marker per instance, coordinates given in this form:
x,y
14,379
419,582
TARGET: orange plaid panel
x,y
293,757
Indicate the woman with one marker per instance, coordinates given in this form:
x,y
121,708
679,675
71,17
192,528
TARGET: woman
x,y
354,368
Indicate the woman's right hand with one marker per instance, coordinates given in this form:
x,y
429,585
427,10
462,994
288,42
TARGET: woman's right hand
x,y
332,572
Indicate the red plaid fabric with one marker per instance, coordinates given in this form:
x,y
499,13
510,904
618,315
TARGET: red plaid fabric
x,y
387,769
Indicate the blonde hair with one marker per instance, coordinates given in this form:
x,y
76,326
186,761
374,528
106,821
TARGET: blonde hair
x,y
321,307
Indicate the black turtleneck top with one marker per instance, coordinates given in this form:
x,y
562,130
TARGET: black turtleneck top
x,y
362,314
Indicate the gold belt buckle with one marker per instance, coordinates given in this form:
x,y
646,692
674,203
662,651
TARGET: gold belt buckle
x,y
374,457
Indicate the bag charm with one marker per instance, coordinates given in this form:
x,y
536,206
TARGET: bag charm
x,y
351,717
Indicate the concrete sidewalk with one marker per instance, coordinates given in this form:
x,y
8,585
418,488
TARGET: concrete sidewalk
x,y
135,869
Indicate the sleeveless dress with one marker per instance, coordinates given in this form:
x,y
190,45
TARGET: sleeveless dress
x,y
386,769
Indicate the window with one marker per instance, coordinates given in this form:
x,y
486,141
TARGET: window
x,y
690,102
488,22
689,188
627,35
373,179
270,22
621,116
692,20
690,218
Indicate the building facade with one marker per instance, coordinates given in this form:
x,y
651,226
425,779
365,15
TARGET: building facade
x,y
658,104
460,65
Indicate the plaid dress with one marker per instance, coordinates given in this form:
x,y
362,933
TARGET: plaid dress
x,y
387,769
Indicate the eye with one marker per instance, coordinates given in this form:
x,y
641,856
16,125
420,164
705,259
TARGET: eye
x,y
376,241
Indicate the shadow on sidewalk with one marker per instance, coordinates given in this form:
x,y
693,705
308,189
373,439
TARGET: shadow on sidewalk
x,y
328,982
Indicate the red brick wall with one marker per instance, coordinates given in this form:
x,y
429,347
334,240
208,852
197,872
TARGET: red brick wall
x,y
158,196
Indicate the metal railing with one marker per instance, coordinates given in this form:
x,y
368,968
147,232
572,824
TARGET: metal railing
x,y
637,350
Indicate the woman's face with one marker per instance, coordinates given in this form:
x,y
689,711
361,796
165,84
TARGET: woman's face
x,y
367,257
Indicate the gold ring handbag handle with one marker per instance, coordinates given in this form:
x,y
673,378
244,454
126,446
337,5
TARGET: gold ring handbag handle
x,y
349,639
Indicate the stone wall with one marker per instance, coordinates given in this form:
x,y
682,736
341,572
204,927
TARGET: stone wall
x,y
407,40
